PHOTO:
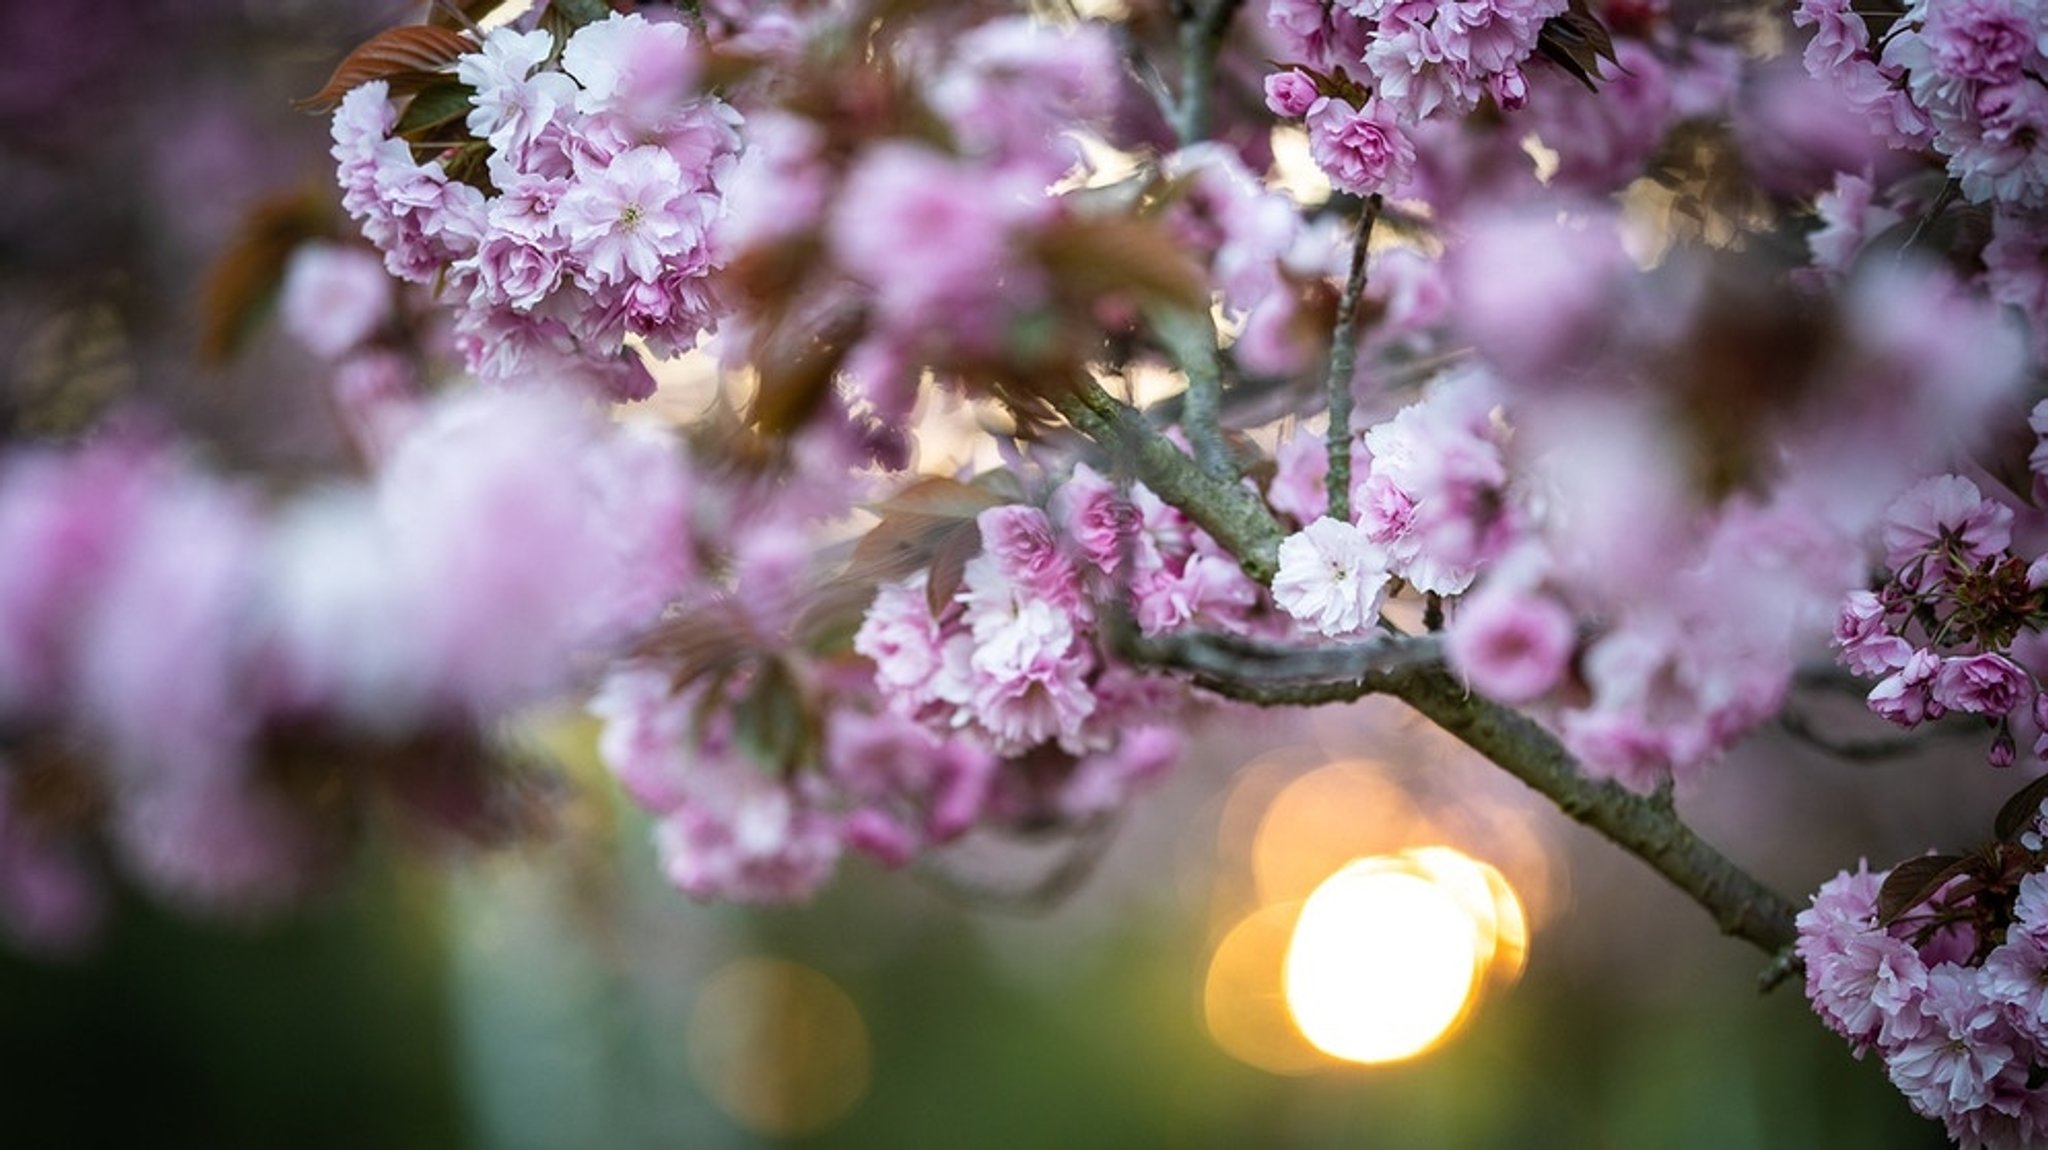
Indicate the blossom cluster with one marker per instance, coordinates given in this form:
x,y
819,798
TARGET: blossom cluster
x,y
1416,62
1693,596
1268,267
1949,993
177,624
584,210
1967,82
1648,662
728,825
765,769
1014,658
1959,606
1965,79
915,227
1432,506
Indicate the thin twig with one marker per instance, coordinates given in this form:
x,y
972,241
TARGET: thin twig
x,y
1343,358
1869,750
1190,337
1145,71
1201,37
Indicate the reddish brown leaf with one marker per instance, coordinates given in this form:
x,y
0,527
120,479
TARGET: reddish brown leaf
x,y
1577,41
2018,812
711,641
461,13
939,498
899,548
832,615
950,554
408,58
1913,882
928,526
245,277
1098,257
768,274
795,371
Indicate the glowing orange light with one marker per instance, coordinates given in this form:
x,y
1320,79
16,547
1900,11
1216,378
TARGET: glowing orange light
x,y
1382,964
1390,953
1242,1001
778,1047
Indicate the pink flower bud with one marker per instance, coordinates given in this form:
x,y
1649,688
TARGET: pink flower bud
x,y
2003,751
1290,94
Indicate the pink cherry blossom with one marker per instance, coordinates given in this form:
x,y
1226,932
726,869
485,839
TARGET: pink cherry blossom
x,y
1867,645
1981,684
514,104
1510,644
1906,696
1941,522
1100,523
621,217
1949,1053
1332,578
334,297
1362,150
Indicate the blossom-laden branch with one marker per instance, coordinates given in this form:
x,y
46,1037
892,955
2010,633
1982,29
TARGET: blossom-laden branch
x,y
1191,338
1410,668
1742,906
1226,510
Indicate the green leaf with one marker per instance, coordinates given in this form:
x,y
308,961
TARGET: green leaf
x,y
470,164
435,106
772,723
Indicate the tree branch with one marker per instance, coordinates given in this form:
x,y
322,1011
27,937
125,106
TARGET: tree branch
x,y
1242,664
1190,337
1201,38
1409,668
1234,516
1741,905
1343,361
581,12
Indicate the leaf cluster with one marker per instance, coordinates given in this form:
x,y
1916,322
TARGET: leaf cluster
x,y
1975,888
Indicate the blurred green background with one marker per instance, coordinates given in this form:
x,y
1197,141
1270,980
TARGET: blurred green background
x,y
559,995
